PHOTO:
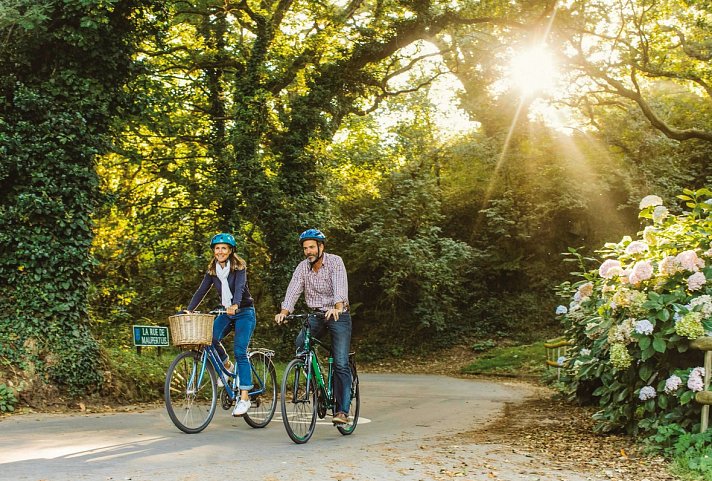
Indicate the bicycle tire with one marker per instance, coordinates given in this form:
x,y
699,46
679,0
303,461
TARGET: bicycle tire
x,y
355,406
263,405
191,407
298,407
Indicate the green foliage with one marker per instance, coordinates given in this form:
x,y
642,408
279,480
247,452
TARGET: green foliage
x,y
61,85
632,319
398,245
523,360
692,455
7,399
137,378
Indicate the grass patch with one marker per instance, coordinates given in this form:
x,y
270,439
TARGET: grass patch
x,y
523,360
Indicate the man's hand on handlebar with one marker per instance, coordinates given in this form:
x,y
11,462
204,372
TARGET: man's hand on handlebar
x,y
333,313
281,317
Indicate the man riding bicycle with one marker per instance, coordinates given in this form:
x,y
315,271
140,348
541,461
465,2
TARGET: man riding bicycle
x,y
322,278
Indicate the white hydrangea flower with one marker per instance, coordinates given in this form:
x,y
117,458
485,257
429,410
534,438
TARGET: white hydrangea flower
x,y
672,384
650,200
660,213
647,392
703,303
644,326
561,310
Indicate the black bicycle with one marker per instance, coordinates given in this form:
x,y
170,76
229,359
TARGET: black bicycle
x,y
308,390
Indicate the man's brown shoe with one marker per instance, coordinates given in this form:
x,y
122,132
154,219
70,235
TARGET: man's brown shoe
x,y
340,418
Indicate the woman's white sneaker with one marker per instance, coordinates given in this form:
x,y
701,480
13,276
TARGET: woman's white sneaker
x,y
241,407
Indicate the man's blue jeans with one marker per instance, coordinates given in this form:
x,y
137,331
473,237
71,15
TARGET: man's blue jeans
x,y
244,322
340,344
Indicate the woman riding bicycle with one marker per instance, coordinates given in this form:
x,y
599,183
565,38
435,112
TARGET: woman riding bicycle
x,y
228,273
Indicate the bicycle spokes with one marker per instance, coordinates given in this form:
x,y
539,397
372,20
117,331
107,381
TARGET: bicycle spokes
x,y
298,402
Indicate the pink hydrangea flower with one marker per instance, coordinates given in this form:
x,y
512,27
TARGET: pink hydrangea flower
x,y
672,384
585,290
636,247
689,261
696,281
642,270
695,381
669,266
609,269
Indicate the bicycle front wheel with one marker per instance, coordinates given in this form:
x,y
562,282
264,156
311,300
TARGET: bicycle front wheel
x,y
191,392
264,380
355,407
298,402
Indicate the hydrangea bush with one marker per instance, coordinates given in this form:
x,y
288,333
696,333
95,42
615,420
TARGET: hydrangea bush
x,y
632,318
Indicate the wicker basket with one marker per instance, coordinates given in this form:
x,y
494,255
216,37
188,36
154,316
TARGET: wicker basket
x,y
191,329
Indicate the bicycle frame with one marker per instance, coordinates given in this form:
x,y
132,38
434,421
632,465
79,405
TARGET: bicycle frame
x,y
324,386
232,388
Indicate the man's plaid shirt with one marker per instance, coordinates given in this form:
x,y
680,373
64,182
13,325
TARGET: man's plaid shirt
x,y
322,289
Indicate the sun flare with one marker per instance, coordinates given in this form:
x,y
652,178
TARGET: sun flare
x,y
533,70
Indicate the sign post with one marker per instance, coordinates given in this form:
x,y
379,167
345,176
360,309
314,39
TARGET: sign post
x,y
150,336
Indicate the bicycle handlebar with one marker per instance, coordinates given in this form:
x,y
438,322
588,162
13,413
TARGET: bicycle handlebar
x,y
305,316
214,311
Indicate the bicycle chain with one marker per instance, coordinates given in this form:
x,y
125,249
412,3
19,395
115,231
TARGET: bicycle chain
x,y
320,404
225,400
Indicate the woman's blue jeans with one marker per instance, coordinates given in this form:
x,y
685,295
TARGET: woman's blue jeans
x,y
340,344
244,322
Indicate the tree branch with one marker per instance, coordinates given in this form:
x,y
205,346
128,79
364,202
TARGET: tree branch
x,y
648,112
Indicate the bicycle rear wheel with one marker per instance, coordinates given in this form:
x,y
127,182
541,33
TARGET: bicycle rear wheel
x,y
355,407
191,392
264,379
298,402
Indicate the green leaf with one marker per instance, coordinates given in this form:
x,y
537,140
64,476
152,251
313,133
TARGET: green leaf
x,y
647,353
646,370
686,397
644,342
659,344
663,315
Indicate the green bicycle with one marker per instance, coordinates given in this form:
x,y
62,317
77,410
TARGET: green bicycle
x,y
307,392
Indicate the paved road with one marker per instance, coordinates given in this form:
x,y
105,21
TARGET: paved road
x,y
402,416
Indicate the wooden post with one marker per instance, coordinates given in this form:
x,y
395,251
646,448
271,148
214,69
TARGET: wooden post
x,y
706,407
704,397
554,349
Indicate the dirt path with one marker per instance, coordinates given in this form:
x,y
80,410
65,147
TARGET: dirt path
x,y
542,438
